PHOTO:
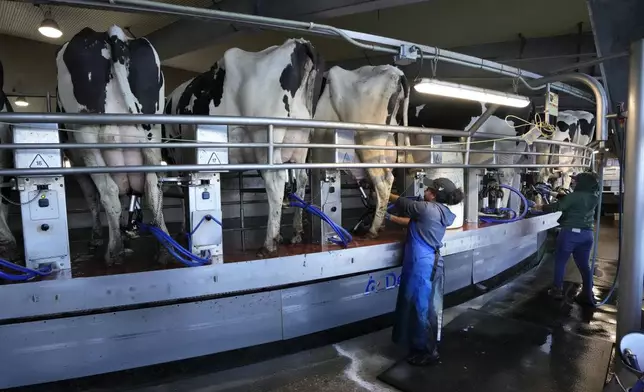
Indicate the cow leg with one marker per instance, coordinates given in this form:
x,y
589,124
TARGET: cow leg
x,y
301,180
567,180
8,246
108,193
154,199
89,193
382,180
274,181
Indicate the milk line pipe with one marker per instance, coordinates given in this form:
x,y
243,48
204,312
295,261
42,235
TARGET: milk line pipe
x,y
100,146
483,118
601,101
259,166
391,46
134,119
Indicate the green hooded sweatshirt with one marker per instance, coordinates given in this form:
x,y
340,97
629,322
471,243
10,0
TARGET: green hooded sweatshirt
x,y
578,208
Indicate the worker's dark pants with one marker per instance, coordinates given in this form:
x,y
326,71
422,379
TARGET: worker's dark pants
x,y
419,308
579,244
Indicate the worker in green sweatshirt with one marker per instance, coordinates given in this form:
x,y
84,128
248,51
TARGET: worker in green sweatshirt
x,y
576,235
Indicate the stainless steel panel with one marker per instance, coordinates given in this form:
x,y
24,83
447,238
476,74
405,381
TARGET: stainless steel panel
x,y
321,306
36,133
69,295
73,347
492,260
458,271
81,294
213,134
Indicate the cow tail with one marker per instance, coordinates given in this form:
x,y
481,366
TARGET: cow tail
x,y
315,78
120,64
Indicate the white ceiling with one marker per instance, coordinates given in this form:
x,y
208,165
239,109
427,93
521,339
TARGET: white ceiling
x,y
443,23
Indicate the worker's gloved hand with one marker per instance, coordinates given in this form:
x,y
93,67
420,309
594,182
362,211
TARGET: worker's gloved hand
x,y
387,216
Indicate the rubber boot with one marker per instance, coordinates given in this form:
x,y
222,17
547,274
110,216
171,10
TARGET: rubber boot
x,y
556,293
423,358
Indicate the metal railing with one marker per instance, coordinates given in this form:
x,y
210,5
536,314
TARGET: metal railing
x,y
582,159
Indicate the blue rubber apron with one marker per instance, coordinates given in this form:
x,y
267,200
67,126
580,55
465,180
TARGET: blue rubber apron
x,y
419,308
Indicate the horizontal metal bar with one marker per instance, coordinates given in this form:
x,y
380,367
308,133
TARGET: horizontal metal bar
x,y
111,118
255,166
14,95
77,146
94,119
375,43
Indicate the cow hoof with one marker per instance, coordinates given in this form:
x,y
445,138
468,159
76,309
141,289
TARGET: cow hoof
x,y
116,258
297,239
279,239
371,235
264,253
95,243
164,257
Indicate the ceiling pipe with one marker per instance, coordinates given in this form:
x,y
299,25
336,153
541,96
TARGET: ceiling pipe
x,y
601,98
391,46
601,101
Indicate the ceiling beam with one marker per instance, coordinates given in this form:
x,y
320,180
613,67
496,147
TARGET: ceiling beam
x,y
188,35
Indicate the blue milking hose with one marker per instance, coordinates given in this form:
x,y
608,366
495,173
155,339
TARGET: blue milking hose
x,y
515,218
27,273
175,249
343,234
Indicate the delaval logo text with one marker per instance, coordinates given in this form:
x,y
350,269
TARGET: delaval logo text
x,y
388,281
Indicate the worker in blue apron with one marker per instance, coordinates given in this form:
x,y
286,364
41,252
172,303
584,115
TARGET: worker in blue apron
x,y
419,308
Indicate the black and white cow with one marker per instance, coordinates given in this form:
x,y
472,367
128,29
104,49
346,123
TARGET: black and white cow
x,y
573,126
280,81
8,246
108,72
373,95
456,114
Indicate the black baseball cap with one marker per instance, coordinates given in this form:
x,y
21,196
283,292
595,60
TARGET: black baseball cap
x,y
440,184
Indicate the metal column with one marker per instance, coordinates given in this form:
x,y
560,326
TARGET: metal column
x,y
43,206
204,195
631,277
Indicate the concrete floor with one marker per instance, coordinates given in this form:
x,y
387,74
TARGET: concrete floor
x,y
350,365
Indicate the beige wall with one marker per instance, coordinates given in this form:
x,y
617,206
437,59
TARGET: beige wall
x,y
30,69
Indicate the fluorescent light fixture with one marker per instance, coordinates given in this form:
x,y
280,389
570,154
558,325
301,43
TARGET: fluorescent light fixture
x,y
49,28
21,101
471,93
